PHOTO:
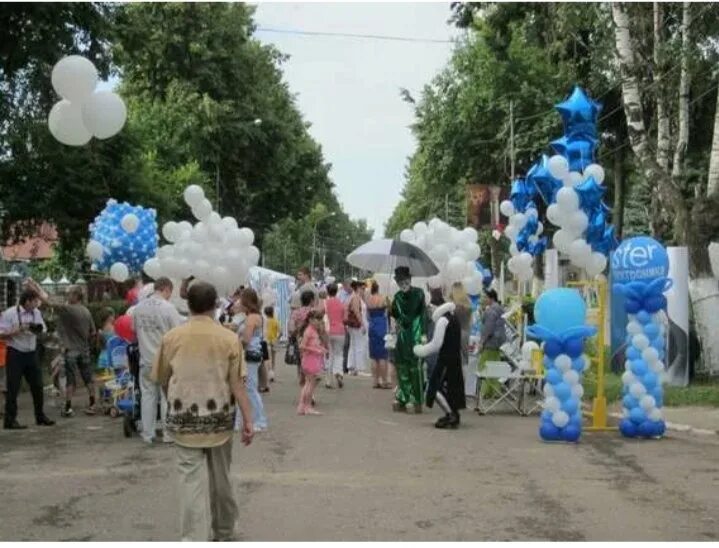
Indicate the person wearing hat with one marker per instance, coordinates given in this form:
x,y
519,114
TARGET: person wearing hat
x,y
408,310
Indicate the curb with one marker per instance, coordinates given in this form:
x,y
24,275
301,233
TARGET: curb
x,y
680,427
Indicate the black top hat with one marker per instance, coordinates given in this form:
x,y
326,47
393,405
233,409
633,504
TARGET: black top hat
x,y
402,273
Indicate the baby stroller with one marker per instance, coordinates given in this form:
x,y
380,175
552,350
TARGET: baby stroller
x,y
115,381
131,404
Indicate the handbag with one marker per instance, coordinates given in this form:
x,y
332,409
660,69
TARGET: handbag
x,y
352,320
292,353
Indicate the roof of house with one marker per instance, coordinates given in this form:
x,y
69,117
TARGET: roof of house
x,y
38,246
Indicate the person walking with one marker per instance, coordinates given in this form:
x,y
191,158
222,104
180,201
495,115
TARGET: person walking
x,y
378,329
272,336
152,318
20,326
76,331
312,351
356,326
201,370
463,313
337,331
251,338
344,294
304,283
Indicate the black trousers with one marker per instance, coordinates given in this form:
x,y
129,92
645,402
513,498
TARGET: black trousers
x,y
345,352
19,365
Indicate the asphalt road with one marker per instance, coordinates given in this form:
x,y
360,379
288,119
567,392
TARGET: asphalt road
x,y
361,472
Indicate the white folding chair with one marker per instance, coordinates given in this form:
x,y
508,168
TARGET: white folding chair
x,y
507,389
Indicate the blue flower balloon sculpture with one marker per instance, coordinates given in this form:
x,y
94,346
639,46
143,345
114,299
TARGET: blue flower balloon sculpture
x,y
560,316
639,269
123,233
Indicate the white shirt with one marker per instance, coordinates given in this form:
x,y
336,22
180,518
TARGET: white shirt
x,y
152,318
25,341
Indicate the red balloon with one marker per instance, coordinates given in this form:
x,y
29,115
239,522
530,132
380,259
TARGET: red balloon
x,y
131,296
124,328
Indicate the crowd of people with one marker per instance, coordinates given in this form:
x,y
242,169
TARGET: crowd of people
x,y
206,371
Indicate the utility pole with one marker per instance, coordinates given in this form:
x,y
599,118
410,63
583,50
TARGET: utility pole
x,y
446,208
217,187
511,138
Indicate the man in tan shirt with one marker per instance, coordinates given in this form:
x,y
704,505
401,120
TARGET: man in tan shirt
x,y
201,369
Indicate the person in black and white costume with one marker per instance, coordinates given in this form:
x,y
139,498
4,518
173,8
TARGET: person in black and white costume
x,y
446,382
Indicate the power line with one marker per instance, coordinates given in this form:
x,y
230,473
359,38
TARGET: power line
x,y
355,35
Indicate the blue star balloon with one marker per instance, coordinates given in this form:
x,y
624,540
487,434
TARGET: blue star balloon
x,y
578,109
546,185
579,152
590,194
521,194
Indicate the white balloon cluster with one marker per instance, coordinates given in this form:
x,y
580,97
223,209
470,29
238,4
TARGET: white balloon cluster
x,y
521,263
453,251
215,249
573,222
83,113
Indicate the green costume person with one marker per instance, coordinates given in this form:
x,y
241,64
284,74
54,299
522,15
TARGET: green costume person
x,y
408,310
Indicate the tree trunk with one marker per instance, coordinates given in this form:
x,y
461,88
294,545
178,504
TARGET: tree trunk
x,y
683,139
638,137
713,179
618,210
662,111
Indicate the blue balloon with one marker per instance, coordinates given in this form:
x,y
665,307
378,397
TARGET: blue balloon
x,y
639,368
590,196
560,309
651,330
552,348
646,429
644,317
629,402
650,380
627,428
574,347
633,353
637,415
570,406
632,306
571,433
545,415
659,428
578,364
576,419
548,432
521,194
562,391
655,303
578,110
553,377
639,259
659,343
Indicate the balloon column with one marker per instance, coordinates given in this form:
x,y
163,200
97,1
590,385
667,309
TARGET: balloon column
x,y
560,322
122,238
639,269
453,251
83,113
215,249
577,207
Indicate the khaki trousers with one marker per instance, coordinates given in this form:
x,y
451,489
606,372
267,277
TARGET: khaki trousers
x,y
194,466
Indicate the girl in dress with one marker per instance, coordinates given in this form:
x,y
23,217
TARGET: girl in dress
x,y
312,352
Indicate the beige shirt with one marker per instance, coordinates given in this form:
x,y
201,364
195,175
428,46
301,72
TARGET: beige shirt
x,y
196,365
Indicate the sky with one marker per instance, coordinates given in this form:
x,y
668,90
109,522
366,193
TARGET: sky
x,y
349,88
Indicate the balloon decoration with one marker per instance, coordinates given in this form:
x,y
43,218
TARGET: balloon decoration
x,y
214,249
122,238
83,113
560,316
124,328
639,269
453,251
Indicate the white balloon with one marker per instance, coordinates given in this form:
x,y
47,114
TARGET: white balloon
x,y
119,272
234,238
578,222
472,251
406,235
201,269
513,250
518,220
434,282
540,228
512,265
548,391
170,231
469,235
152,268
511,232
200,234
184,267
571,377
248,237
94,250
650,355
193,195
554,215
166,251
229,223
420,228
558,166
656,415
472,285
459,253
253,255
575,178
439,254
562,239
596,171
560,419
567,200
647,402
65,124
130,223
455,269
628,377
552,404
524,275
202,210
596,264
578,391
74,78
506,208
637,390
104,114
634,328
234,260
563,363
640,341
184,226
580,252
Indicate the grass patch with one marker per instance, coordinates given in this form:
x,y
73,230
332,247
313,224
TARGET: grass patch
x,y
704,393
612,386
